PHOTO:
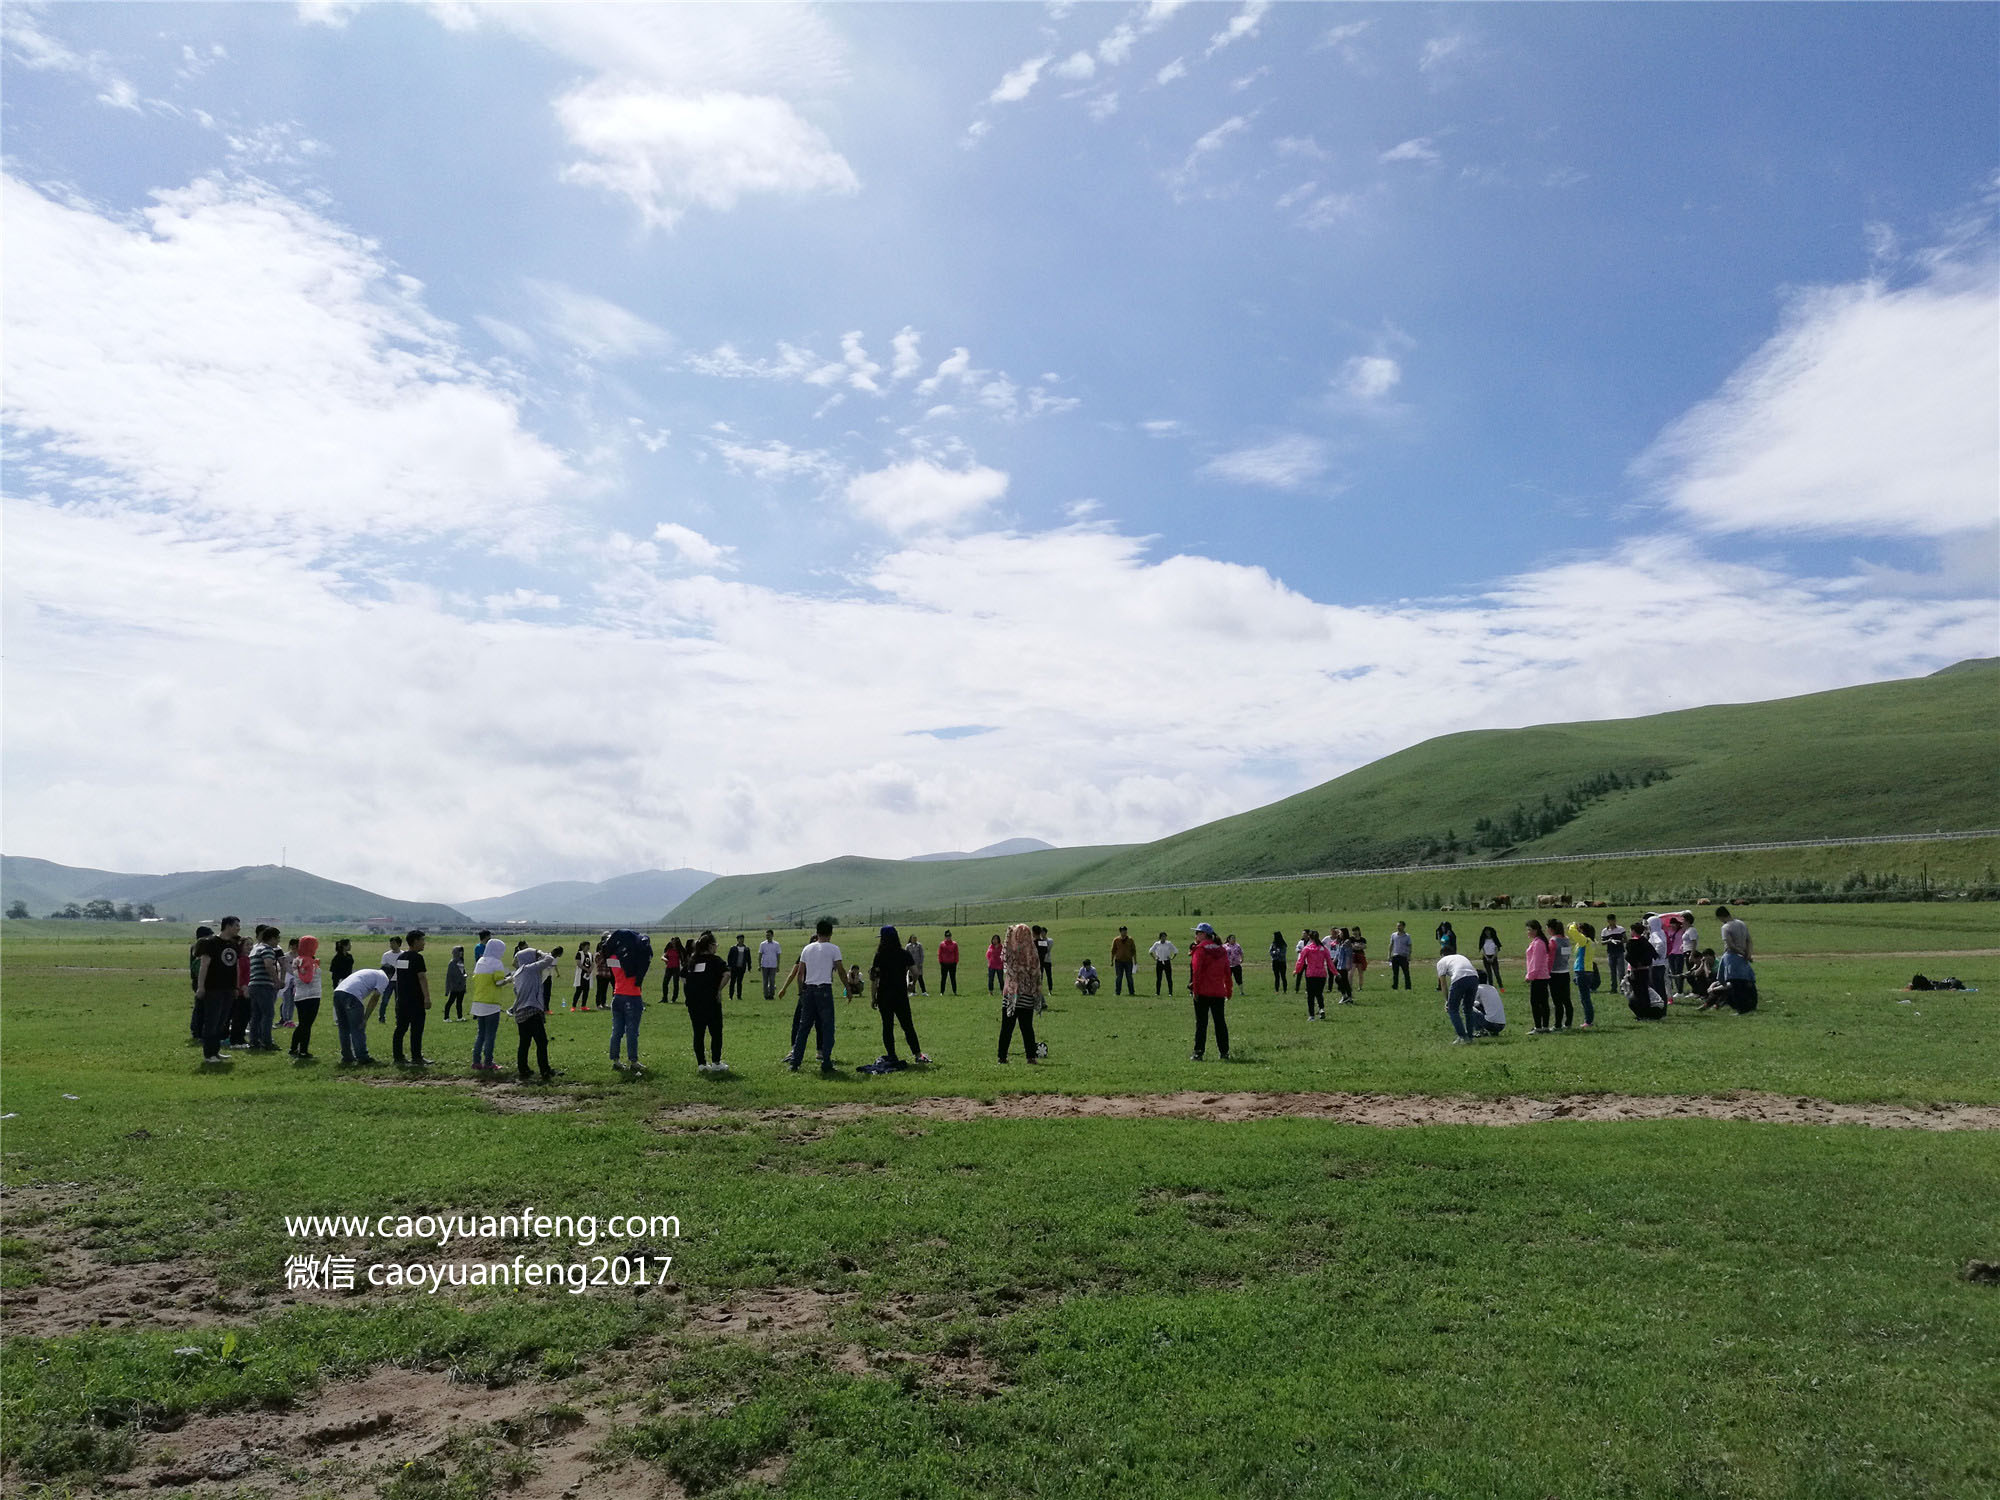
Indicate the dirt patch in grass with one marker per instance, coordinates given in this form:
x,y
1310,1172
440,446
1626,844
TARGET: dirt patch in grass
x,y
502,1090
772,1313
353,1437
1387,1110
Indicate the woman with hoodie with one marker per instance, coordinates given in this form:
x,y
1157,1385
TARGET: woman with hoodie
x,y
1021,989
489,972
1313,963
1278,975
889,972
305,995
531,1006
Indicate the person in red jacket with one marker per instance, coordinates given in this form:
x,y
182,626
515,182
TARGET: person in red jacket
x,y
1208,982
947,956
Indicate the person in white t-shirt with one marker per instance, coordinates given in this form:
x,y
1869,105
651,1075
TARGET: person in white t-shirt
x,y
1458,977
1489,1011
356,998
769,955
1164,954
818,967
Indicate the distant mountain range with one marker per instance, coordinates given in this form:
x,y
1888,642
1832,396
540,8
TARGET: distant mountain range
x,y
991,851
272,893
1884,758
635,899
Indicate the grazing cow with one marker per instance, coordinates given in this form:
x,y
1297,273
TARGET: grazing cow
x,y
1500,903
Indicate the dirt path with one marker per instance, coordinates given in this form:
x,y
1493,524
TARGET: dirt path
x,y
1379,1109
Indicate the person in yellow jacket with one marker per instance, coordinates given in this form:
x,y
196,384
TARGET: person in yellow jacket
x,y
489,993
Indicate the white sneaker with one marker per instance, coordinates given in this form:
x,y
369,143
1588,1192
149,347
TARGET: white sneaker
x,y
718,1067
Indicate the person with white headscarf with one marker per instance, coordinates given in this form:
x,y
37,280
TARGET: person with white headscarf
x,y
1020,988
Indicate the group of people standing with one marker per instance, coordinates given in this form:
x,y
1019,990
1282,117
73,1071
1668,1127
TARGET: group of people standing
x,y
1653,963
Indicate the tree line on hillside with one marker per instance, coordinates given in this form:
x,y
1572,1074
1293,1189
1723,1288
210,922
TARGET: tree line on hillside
x,y
99,910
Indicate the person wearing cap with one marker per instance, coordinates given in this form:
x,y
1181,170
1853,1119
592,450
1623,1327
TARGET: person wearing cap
x,y
1209,984
1124,958
1163,953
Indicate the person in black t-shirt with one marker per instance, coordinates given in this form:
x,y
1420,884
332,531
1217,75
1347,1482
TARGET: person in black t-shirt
x,y
413,998
194,980
702,979
215,979
739,965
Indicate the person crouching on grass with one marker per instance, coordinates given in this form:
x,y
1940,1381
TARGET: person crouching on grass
x,y
702,975
531,1006
1020,988
1208,982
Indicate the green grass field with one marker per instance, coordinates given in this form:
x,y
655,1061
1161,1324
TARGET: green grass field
x,y
1040,1306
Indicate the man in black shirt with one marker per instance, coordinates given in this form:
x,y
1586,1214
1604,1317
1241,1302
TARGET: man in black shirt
x,y
739,965
194,980
215,981
413,998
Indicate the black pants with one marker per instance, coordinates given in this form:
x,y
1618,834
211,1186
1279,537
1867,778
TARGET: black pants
x,y
1026,1018
581,994
603,989
917,981
1345,985
1399,964
409,1018
992,980
1163,969
197,1014
1122,979
736,984
1315,995
1538,1002
670,987
1048,977
1492,967
1204,1007
217,1008
1280,980
239,1018
892,1012
533,1029
948,975
1236,975
451,1000
1559,995
306,1011
706,1018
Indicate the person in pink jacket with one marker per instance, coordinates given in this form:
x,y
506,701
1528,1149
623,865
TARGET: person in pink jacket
x,y
1539,961
1313,962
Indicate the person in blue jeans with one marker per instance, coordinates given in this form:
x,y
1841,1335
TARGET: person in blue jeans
x,y
267,972
1460,982
818,967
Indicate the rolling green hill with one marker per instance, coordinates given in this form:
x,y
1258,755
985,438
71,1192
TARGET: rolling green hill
x,y
1890,757
254,892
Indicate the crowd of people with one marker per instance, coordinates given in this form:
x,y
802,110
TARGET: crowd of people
x,y
245,993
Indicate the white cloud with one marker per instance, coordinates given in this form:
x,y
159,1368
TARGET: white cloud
x,y
975,133
861,370
520,599
1102,106
921,495
93,598
233,355
1244,23
595,327
1017,83
1117,45
1286,462
1078,65
693,547
1369,377
1175,69
1161,426
1440,51
905,361
31,47
774,460
1300,145
1183,178
1342,36
1871,411
668,152
1418,150
953,366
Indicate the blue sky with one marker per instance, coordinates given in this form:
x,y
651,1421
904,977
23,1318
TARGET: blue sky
x,y
698,408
